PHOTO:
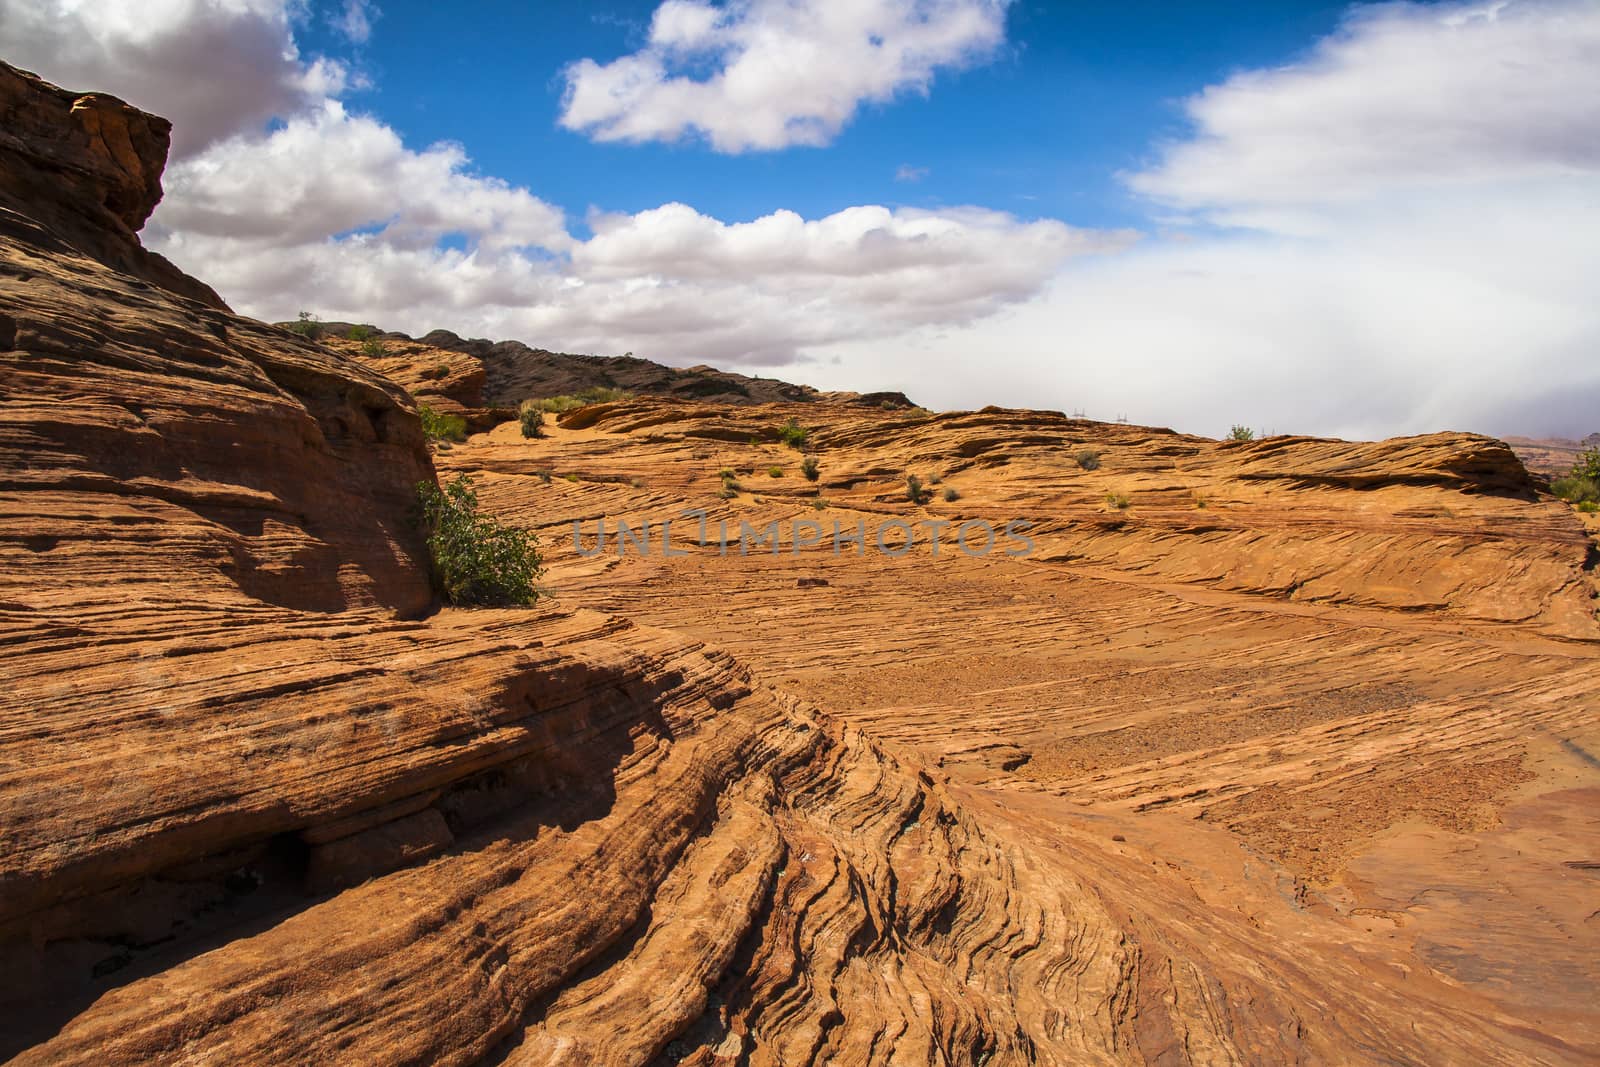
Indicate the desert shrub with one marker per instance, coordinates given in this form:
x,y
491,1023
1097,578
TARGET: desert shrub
x,y
360,333
1588,507
935,478
776,472
1118,500
440,426
477,559
808,467
1576,488
436,372
544,476
914,490
306,326
793,434
1241,433
951,496
603,394
1089,459
1201,502
1588,465
819,503
595,394
569,477
531,417
374,347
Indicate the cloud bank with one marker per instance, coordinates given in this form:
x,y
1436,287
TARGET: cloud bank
x,y
768,74
1399,232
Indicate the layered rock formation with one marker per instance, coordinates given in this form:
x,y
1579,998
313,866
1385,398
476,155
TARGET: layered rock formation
x,y
477,373
1301,775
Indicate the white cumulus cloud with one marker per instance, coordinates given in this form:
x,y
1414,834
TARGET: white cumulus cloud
x,y
214,67
1414,234
767,74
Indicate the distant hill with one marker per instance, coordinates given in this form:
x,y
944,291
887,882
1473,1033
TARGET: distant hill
x,y
1550,456
512,372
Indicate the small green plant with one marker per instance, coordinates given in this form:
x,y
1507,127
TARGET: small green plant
x,y
819,503
360,333
569,477
935,478
793,434
1089,459
776,472
636,483
306,326
914,490
374,348
440,427
531,417
544,476
951,496
808,467
1588,507
1241,433
603,394
1118,500
477,559
436,372
1201,502
1576,488
595,394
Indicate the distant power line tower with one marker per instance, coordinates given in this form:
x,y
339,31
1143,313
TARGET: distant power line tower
x,y
1123,419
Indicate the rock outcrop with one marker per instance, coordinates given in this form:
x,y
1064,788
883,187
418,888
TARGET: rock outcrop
x,y
502,374
1301,775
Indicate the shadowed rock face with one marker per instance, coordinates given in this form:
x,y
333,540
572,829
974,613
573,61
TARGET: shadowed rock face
x,y
499,375
1303,775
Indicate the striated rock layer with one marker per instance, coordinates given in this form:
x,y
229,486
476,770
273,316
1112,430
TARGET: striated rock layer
x,y
1306,774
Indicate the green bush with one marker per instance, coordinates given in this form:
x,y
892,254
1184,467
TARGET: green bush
x,y
360,333
531,416
306,326
1588,465
819,503
808,467
477,559
595,394
1588,507
1118,500
1089,459
437,372
951,496
1576,488
1241,433
374,347
793,434
914,491
440,426
776,472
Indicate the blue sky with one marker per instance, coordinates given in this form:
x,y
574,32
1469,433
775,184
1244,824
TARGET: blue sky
x,y
1110,79
1342,219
